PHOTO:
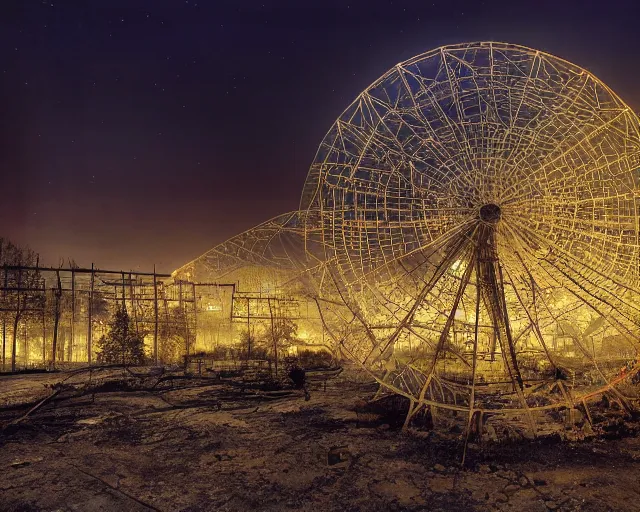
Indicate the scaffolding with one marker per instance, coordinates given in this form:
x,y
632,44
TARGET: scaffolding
x,y
61,313
68,309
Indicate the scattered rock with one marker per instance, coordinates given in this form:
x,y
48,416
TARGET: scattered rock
x,y
338,456
439,468
501,498
523,481
551,505
20,464
25,462
511,488
484,468
90,421
507,475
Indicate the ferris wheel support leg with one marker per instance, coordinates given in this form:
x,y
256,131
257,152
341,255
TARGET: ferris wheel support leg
x,y
492,277
472,393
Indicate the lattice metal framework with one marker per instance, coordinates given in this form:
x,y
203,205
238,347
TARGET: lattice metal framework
x,y
469,230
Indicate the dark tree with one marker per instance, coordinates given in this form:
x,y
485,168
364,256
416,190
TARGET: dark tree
x,y
22,297
122,344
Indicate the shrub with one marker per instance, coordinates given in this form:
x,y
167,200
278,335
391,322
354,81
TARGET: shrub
x,y
122,345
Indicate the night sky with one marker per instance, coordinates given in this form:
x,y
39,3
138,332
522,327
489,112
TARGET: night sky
x,y
138,132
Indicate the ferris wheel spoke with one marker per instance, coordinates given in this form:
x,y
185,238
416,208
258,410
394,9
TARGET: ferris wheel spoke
x,y
453,251
533,317
617,325
614,323
602,286
581,291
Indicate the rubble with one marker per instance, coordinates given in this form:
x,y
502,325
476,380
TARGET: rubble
x,y
194,444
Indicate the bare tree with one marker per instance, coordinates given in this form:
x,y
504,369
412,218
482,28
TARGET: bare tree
x,y
22,291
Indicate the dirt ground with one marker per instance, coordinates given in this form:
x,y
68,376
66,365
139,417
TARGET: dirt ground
x,y
215,447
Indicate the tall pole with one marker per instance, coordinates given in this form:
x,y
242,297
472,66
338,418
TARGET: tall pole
x,y
4,323
16,321
89,333
124,305
4,341
195,315
44,324
56,320
26,345
44,328
184,314
73,315
133,307
248,329
273,335
155,316
183,309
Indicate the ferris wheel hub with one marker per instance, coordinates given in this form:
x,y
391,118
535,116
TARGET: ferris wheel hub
x,y
490,213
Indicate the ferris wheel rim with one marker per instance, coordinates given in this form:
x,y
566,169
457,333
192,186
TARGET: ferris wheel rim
x,y
306,199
